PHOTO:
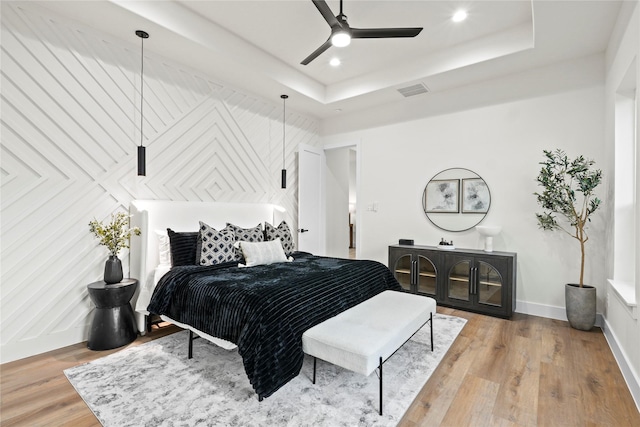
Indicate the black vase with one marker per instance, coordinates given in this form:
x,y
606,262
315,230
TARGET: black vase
x,y
113,270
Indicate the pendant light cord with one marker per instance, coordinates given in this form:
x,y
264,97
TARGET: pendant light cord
x,y
284,114
141,91
143,35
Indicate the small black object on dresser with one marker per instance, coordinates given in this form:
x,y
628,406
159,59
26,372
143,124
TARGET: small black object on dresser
x,y
114,323
467,279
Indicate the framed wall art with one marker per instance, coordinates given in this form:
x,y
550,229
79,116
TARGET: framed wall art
x,y
475,196
441,196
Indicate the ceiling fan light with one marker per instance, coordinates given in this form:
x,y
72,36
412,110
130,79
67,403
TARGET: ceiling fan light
x,y
459,16
340,38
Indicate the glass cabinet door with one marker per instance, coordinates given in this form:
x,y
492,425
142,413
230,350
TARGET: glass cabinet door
x,y
489,285
426,276
458,281
402,271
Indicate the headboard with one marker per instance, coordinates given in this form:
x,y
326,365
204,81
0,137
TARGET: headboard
x,y
151,215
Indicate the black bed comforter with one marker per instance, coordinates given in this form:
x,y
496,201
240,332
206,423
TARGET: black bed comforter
x,y
264,310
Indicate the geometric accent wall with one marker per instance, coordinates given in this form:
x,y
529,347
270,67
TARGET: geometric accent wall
x,y
70,124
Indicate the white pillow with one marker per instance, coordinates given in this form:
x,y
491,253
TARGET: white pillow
x,y
164,248
260,253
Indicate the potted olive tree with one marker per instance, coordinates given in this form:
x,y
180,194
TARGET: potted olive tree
x,y
568,200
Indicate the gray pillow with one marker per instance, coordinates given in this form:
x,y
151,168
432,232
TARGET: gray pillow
x,y
283,233
254,234
217,246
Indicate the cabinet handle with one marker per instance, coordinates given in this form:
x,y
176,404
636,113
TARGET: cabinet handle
x,y
412,274
414,265
474,280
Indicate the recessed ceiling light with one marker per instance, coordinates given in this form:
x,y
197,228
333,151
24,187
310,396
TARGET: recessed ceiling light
x,y
459,16
335,62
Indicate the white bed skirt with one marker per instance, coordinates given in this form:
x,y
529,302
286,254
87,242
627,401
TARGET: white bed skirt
x,y
227,345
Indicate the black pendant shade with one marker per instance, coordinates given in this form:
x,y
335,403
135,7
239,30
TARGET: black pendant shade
x,y
142,160
284,167
142,155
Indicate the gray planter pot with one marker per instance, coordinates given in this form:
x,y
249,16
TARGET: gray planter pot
x,y
581,306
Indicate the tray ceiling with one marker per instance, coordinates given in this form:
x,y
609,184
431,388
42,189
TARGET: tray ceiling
x,y
258,45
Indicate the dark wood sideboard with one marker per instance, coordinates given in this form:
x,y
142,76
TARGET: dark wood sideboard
x,y
467,279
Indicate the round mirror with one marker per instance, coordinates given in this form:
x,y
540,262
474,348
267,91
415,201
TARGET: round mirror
x,y
456,199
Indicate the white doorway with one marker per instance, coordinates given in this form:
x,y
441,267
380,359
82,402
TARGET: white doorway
x,y
341,188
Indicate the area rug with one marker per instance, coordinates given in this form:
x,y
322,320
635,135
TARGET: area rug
x,y
154,384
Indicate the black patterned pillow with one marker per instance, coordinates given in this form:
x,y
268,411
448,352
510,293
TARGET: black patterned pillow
x,y
283,232
216,246
254,234
183,247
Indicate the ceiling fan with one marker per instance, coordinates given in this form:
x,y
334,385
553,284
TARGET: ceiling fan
x,y
342,33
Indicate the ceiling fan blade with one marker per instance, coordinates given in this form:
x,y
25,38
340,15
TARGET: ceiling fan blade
x,y
326,45
381,33
326,13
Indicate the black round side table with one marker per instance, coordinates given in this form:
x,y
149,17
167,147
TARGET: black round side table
x,y
114,323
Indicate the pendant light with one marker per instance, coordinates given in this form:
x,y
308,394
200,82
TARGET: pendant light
x,y
142,156
284,112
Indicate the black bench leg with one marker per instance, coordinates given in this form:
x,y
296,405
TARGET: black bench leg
x,y
190,344
380,385
314,369
431,325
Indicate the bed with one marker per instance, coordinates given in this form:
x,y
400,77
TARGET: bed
x,y
263,309
153,217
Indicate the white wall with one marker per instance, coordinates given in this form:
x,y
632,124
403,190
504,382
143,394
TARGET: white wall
x,y
70,127
503,143
622,327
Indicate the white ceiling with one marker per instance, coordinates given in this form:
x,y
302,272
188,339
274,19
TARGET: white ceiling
x,y
258,45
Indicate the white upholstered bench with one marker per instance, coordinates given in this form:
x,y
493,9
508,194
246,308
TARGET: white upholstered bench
x,y
363,337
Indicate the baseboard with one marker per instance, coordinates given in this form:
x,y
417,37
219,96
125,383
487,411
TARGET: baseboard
x,y
30,347
549,311
632,380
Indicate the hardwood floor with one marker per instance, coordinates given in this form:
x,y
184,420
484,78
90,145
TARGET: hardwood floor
x,y
528,371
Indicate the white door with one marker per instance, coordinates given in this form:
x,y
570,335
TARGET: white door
x,y
310,196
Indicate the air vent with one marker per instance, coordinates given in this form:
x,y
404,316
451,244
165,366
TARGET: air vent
x,y
413,90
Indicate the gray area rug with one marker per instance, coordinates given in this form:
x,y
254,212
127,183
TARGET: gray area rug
x,y
154,384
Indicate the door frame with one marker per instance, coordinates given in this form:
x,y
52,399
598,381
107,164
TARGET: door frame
x,y
356,146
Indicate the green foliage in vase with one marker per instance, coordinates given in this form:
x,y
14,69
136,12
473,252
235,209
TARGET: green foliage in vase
x,y
116,234
568,197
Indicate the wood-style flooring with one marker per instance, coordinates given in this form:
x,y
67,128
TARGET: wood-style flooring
x,y
528,371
